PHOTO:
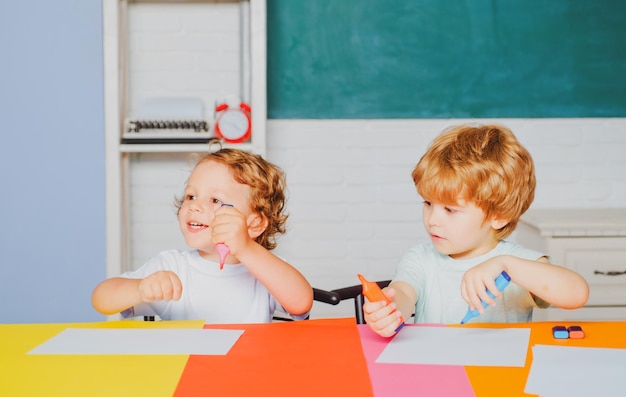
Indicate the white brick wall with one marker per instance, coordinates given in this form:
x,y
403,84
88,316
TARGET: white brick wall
x,y
353,208
183,49
352,205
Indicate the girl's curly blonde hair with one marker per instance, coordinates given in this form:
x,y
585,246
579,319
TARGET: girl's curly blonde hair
x,y
267,188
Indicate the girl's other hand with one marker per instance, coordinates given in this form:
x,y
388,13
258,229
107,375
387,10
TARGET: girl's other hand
x,y
160,286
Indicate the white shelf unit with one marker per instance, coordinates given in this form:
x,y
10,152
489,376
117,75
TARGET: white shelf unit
x,y
592,242
118,155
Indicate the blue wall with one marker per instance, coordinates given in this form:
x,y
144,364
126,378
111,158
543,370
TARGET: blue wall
x,y
52,205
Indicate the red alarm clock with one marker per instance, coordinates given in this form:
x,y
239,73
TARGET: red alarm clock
x,y
233,125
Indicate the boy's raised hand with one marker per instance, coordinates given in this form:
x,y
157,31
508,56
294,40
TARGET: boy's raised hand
x,y
383,318
160,286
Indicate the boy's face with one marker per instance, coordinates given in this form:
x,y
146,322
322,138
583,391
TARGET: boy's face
x,y
210,185
460,231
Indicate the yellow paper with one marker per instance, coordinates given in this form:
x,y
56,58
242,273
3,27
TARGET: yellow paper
x,y
85,375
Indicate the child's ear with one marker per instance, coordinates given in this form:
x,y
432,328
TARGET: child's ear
x,y
498,223
257,224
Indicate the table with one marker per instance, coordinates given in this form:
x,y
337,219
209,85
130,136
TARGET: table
x,y
306,358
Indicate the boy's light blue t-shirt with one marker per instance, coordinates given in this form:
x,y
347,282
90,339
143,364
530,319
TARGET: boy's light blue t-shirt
x,y
437,280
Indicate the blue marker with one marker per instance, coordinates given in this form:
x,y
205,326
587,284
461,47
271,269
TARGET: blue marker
x,y
501,282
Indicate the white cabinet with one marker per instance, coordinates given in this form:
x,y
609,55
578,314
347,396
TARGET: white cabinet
x,y
591,242
123,84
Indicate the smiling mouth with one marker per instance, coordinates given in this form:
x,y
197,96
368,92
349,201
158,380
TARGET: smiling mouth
x,y
197,226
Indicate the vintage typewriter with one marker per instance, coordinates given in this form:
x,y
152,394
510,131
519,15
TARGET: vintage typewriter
x,y
168,120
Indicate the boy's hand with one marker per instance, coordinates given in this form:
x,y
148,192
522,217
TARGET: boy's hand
x,y
477,280
381,317
160,286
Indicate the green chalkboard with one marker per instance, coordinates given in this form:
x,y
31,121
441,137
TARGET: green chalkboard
x,y
446,58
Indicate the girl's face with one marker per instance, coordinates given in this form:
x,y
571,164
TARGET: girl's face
x,y
460,231
210,185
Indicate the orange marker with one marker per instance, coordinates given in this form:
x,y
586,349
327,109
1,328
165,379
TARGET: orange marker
x,y
373,293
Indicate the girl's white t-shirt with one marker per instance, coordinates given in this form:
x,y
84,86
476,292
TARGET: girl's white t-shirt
x,y
228,296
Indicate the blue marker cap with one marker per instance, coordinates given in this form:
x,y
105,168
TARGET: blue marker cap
x,y
501,282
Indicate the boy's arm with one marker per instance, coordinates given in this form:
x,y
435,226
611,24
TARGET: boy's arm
x,y
405,298
556,285
290,288
384,318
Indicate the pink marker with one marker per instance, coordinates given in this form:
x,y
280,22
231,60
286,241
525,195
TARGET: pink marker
x,y
221,248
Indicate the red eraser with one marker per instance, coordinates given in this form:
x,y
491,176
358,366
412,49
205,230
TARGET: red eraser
x,y
576,332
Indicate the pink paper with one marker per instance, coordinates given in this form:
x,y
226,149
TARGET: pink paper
x,y
397,380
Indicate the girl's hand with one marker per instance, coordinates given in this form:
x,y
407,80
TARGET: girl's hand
x,y
160,286
383,318
229,226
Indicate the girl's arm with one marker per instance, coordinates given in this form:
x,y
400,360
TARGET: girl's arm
x,y
290,288
117,294
283,281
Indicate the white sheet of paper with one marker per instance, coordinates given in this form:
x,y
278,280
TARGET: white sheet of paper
x,y
577,372
140,341
504,347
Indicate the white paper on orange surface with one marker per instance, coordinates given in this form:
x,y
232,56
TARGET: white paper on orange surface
x,y
577,371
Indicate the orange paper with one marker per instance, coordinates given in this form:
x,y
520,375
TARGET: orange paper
x,y
307,359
